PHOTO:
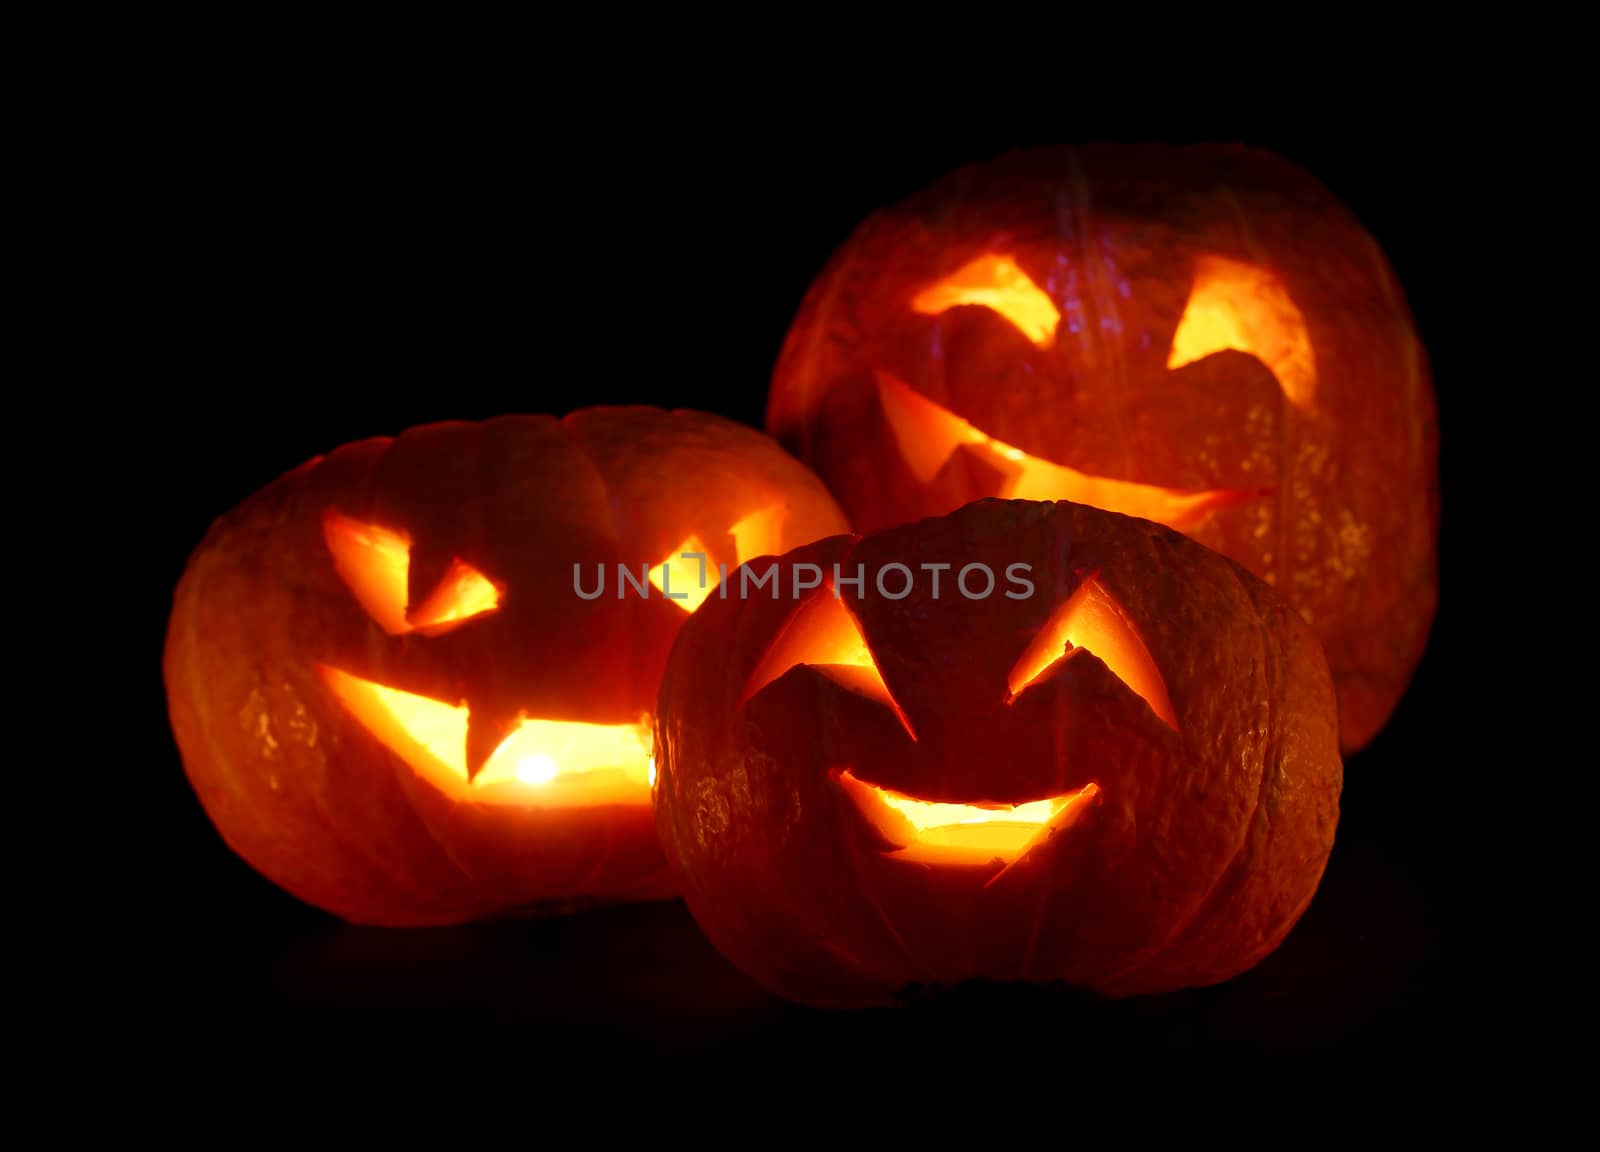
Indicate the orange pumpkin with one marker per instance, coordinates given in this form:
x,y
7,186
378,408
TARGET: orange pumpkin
x,y
394,687
1200,336
1025,741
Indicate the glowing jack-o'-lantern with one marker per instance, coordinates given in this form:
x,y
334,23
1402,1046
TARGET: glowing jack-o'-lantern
x,y
1201,336
411,681
1025,741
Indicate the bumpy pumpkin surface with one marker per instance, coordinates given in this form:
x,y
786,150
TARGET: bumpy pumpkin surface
x,y
389,694
1201,336
1124,776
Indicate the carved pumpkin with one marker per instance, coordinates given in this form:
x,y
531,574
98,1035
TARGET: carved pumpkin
x,y
392,698
1036,742
1201,336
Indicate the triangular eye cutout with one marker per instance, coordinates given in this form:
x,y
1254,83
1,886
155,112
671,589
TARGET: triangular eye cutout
x,y
689,573
462,593
998,284
375,564
1243,308
759,533
824,635
1091,621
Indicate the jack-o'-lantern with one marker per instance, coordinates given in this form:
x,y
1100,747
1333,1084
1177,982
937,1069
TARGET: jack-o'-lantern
x,y
1022,742
1199,336
404,684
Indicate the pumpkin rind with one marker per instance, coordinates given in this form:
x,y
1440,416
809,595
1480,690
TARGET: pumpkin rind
x,y
1338,504
309,797
1200,850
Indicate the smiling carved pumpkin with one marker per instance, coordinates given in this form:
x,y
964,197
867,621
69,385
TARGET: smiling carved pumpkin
x,y
392,698
1025,741
1201,336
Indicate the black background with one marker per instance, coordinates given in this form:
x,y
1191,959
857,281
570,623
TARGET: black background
x,y
341,273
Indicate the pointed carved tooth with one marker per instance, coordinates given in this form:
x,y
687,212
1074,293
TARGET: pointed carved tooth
x,y
487,729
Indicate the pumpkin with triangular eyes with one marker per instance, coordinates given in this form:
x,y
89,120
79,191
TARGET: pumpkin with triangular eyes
x,y
1199,336
404,692
1026,741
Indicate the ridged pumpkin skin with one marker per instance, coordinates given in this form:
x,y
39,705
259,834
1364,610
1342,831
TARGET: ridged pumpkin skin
x,y
320,805
1297,385
1196,855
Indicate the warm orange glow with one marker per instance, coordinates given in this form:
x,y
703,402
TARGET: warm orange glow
x,y
463,593
953,834
928,435
994,282
375,565
824,635
1091,621
542,762
1246,309
679,579
759,534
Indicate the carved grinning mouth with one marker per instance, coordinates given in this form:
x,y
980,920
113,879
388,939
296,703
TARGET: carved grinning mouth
x,y
542,762
825,636
963,834
930,437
